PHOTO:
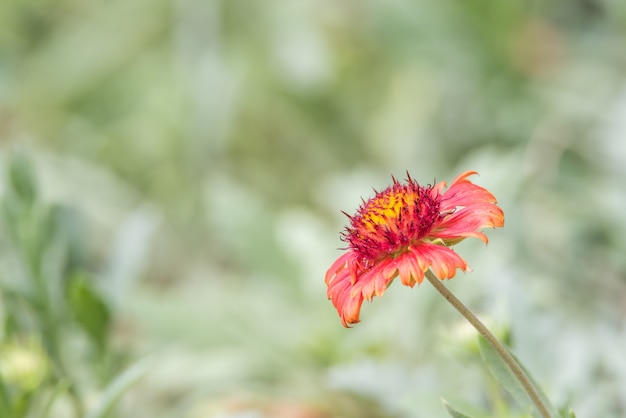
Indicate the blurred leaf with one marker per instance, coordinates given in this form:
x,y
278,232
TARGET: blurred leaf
x,y
90,310
23,404
503,375
6,406
11,212
453,412
118,387
10,326
59,389
22,179
67,223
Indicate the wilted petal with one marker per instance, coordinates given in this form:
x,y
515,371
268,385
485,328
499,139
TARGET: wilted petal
x,y
348,305
375,281
467,208
466,222
408,269
340,292
463,192
442,260
340,264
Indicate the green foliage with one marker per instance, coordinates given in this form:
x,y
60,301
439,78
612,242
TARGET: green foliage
x,y
22,180
117,388
504,376
46,297
89,311
453,412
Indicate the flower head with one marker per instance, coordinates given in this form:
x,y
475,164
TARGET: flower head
x,y
403,231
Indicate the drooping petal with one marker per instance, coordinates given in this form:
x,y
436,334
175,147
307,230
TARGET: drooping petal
x,y
467,208
375,281
348,304
408,269
464,193
340,264
442,260
467,221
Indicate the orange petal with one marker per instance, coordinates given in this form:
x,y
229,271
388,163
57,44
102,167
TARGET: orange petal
x,y
339,264
442,260
348,305
375,281
408,269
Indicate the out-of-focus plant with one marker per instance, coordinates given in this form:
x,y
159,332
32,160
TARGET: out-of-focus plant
x,y
55,321
24,366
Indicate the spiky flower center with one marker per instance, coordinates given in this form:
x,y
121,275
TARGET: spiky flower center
x,y
391,221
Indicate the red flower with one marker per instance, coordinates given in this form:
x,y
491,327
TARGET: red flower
x,y
403,231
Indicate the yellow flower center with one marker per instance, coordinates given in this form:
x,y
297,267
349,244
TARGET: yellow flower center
x,y
387,209
393,219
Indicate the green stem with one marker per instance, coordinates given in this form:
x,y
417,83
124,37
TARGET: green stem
x,y
493,341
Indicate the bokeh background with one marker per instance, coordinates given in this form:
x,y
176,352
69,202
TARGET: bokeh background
x,y
173,173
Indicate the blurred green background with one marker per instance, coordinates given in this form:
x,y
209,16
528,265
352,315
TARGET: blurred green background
x,y
172,179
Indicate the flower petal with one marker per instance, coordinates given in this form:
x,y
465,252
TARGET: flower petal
x,y
466,222
339,264
442,260
376,280
348,305
409,269
463,192
467,208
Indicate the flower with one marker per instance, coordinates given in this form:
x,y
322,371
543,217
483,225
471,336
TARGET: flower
x,y
403,231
